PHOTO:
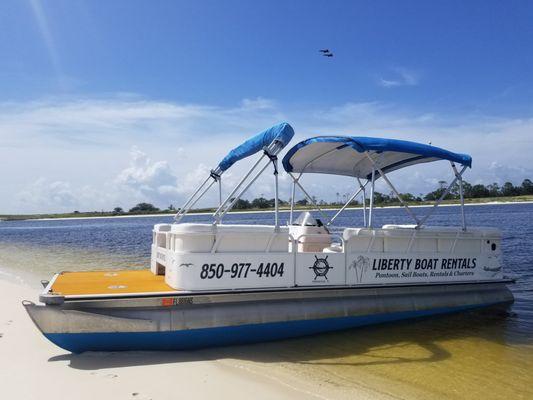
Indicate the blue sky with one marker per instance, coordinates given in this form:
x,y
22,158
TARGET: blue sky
x,y
133,85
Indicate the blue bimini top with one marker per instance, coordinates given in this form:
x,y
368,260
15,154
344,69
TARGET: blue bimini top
x,y
282,133
348,155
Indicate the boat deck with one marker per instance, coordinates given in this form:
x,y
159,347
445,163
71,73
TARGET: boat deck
x,y
108,282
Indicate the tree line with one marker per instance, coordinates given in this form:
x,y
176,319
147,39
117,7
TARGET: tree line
x,y
470,191
478,191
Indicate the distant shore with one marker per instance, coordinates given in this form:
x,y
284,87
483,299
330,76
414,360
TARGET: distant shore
x,y
328,207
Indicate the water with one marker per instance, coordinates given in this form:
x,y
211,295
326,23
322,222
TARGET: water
x,y
479,355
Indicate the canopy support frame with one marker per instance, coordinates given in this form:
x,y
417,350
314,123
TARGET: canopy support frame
x,y
361,188
372,187
396,193
216,176
236,188
364,199
375,151
461,195
274,160
293,192
276,199
220,191
443,195
296,182
271,152
278,136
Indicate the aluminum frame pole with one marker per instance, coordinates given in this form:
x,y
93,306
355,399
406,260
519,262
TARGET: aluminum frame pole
x,y
276,205
309,197
461,195
370,222
292,201
271,150
238,186
185,208
198,198
396,193
344,206
463,218
409,211
219,191
364,199
442,197
229,206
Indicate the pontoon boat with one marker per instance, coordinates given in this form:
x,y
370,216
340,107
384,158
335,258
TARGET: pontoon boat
x,y
217,284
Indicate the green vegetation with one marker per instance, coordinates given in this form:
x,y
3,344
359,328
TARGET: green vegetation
x,y
143,208
473,194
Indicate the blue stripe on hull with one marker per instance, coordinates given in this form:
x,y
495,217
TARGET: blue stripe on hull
x,y
207,337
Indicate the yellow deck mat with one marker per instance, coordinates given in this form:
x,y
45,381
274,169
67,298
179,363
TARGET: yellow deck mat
x,y
109,282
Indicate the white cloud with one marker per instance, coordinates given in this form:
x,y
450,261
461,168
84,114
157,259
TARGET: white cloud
x,y
259,103
147,179
399,77
500,174
80,147
111,121
43,193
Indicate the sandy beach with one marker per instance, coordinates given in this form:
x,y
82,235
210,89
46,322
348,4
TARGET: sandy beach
x,y
30,365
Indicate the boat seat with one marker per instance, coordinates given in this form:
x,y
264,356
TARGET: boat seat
x,y
441,239
160,235
192,228
251,238
192,238
162,227
200,238
359,239
402,238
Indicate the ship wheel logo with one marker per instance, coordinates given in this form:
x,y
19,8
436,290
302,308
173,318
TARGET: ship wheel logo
x,y
321,268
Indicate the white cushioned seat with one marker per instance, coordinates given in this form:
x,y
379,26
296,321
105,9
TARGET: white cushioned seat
x,y
359,240
193,238
192,228
200,238
252,238
402,238
162,227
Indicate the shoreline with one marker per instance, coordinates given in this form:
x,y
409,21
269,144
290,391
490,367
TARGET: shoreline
x,y
226,373
489,203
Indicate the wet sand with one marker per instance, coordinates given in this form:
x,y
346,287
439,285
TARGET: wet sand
x,y
33,368
463,356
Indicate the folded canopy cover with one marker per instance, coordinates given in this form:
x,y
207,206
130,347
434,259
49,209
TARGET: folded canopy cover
x,y
345,155
281,133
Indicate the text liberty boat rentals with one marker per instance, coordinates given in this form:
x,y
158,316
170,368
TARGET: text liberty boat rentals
x,y
217,284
